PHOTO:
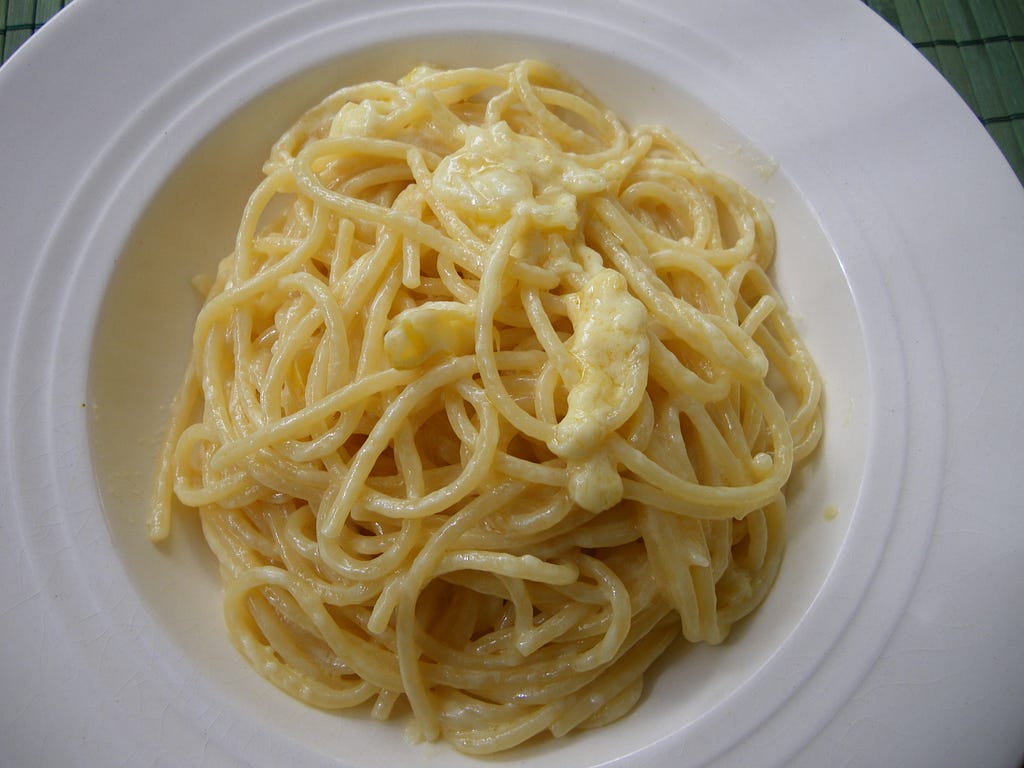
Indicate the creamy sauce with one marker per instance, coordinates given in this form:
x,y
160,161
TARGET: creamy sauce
x,y
501,174
431,330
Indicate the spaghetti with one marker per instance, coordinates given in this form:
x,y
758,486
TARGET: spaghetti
x,y
492,400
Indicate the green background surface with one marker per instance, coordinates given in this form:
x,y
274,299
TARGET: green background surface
x,y
978,45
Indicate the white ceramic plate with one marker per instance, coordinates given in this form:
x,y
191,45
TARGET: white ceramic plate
x,y
131,134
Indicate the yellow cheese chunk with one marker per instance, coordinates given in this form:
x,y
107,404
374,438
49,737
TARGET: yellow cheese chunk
x,y
612,353
430,330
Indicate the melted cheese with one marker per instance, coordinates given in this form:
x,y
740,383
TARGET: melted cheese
x,y
356,119
431,330
612,353
499,173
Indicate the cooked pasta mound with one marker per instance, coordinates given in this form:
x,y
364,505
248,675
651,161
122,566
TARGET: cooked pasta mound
x,y
492,400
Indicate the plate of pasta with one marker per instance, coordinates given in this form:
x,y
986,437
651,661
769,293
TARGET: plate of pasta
x,y
401,383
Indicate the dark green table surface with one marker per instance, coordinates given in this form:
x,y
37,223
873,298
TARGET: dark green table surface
x,y
978,45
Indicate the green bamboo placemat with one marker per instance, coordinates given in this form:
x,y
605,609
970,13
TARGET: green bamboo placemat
x,y
978,45
20,18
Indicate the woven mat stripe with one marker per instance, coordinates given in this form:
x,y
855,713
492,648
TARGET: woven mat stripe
x,y
19,24
19,19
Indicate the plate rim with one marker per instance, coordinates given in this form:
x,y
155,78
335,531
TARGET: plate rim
x,y
27,58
